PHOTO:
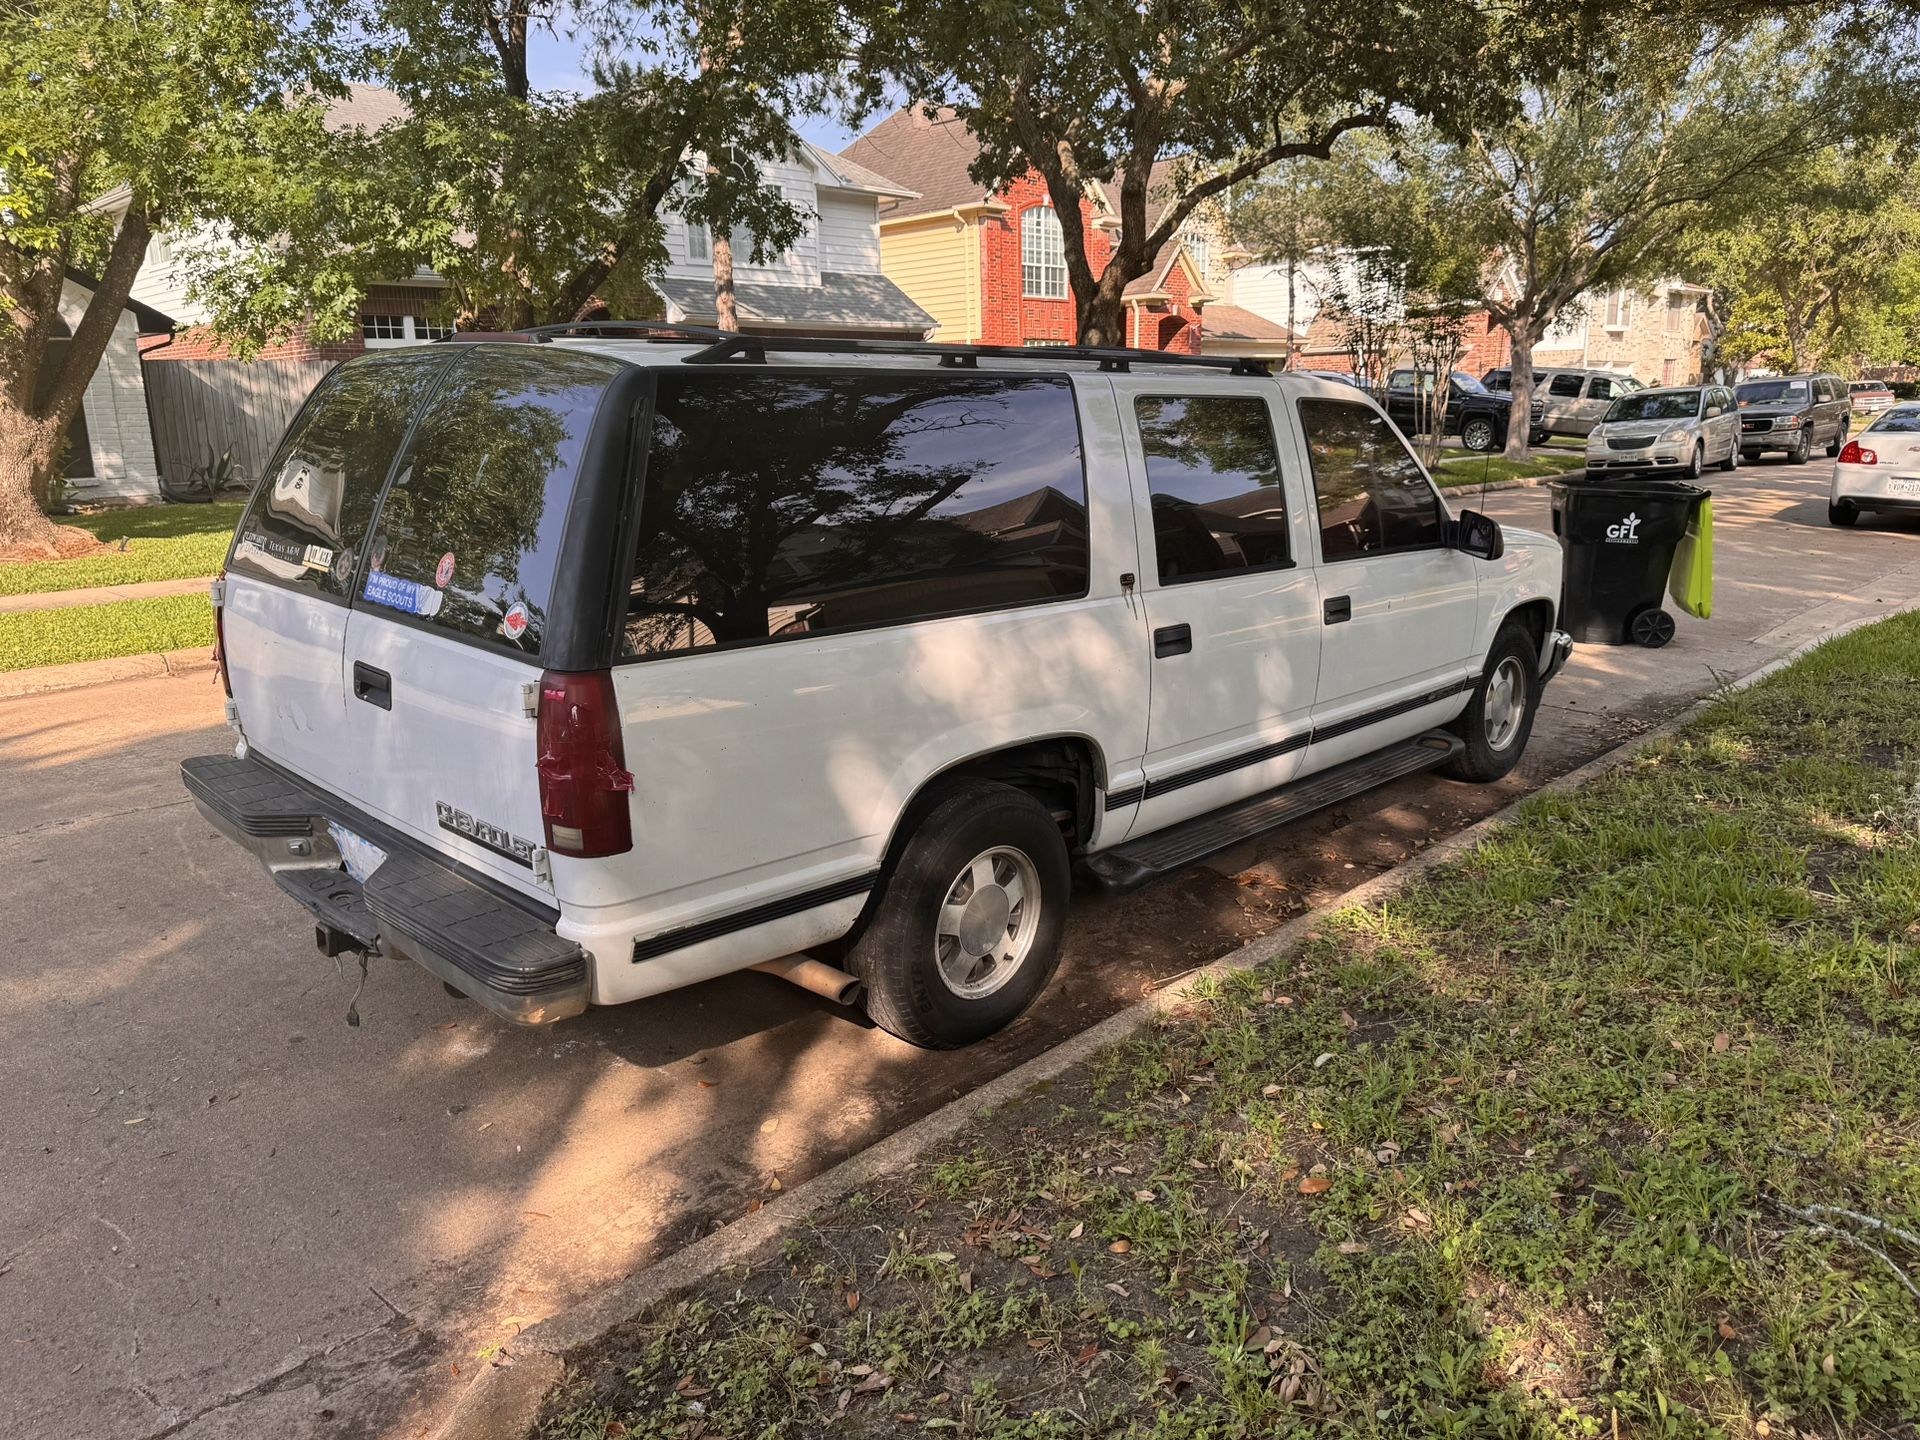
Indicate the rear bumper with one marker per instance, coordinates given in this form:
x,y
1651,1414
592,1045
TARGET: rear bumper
x,y
497,947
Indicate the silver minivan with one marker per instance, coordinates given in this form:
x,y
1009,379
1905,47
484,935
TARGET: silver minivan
x,y
1567,401
1682,428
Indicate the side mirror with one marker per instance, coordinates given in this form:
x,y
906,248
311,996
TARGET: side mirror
x,y
1479,536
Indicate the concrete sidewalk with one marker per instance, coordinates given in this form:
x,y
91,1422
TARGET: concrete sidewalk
x,y
229,1214
103,594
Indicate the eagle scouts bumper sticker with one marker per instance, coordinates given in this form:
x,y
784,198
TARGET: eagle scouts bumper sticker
x,y
409,597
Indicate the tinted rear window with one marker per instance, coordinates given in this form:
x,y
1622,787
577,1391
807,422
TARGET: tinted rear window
x,y
780,506
1773,392
470,531
307,519
1903,418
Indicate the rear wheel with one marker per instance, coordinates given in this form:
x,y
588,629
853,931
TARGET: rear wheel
x,y
966,929
1839,441
1477,433
1842,514
1499,717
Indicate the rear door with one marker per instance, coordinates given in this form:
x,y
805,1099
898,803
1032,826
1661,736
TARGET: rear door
x,y
458,596
291,571
1232,607
1560,402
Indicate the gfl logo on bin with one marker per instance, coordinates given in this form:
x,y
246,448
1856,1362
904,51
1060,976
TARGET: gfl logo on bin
x,y
1627,531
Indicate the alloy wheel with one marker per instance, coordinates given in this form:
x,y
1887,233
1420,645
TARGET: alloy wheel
x,y
1506,703
987,922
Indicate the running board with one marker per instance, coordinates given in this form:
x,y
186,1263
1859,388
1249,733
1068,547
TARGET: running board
x,y
1129,866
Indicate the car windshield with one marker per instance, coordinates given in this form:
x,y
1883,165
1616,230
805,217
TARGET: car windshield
x,y
1903,418
1468,384
1860,385
1772,392
1655,405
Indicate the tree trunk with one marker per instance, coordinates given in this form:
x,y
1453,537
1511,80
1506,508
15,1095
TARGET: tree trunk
x,y
28,450
726,313
1524,330
1103,318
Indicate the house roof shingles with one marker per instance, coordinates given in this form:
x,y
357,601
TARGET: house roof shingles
x,y
1232,322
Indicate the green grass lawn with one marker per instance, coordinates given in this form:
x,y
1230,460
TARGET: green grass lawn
x,y
1611,1128
164,542
95,632
1460,468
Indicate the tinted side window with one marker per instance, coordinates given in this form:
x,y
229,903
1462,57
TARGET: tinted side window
x,y
1401,380
1372,494
308,516
1565,385
1213,474
470,530
1601,388
778,506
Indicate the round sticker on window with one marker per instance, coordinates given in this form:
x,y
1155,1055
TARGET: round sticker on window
x,y
515,624
342,566
443,572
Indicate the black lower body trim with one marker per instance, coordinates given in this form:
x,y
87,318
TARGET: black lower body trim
x,y
1120,799
658,945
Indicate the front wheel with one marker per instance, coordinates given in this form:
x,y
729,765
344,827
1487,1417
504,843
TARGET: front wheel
x,y
1697,463
1802,449
1732,460
1477,433
1499,717
965,932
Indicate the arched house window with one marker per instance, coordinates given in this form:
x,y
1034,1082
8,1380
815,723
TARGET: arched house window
x,y
1043,255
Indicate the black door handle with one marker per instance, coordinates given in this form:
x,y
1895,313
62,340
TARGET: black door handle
x,y
1172,640
1338,610
371,685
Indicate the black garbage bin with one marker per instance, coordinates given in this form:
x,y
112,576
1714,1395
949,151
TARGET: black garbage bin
x,y
1619,537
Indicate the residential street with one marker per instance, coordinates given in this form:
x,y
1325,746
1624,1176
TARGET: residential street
x,y
229,1213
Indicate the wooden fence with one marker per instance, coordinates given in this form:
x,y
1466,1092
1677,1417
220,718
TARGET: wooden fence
x,y
201,409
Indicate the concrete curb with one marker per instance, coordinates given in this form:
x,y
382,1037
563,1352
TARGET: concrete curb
x,y
518,1380
45,678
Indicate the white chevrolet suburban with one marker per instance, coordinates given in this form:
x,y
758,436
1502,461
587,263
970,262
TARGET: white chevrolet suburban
x,y
578,664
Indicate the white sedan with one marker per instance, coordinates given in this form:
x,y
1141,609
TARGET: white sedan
x,y
1879,469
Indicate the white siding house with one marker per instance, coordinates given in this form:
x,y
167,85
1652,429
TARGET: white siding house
x,y
111,457
828,282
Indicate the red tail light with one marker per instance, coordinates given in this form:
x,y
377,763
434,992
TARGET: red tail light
x,y
584,782
1853,453
219,593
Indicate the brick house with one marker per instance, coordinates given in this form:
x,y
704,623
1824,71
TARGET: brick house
x,y
991,267
1657,333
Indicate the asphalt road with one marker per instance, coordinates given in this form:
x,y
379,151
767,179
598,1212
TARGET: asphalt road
x,y
227,1213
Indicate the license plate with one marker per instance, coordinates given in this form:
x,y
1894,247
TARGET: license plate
x,y
1904,484
361,855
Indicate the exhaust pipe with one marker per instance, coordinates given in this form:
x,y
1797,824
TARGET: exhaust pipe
x,y
824,980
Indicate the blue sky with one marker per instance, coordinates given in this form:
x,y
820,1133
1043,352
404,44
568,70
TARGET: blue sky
x,y
557,62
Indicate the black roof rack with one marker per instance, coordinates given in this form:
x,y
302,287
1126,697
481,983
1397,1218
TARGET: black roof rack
x,y
638,329
752,350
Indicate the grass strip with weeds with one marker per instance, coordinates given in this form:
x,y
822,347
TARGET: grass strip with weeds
x,y
99,632
1586,1134
163,542
1462,471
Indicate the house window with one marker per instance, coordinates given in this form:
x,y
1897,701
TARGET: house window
x,y
699,242
1679,312
1619,310
379,331
1043,255
1198,248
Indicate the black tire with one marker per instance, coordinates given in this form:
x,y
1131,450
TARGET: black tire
x,y
1802,450
1842,515
897,956
1514,655
1698,462
1839,442
1732,460
1478,433
1539,437
1651,627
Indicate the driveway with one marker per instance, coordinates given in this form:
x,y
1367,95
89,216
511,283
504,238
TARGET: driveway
x,y
229,1213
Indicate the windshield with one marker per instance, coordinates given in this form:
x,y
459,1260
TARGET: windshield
x,y
1903,418
1772,392
1468,384
1862,385
1655,405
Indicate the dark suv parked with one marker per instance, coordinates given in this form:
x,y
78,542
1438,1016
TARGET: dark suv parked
x,y
1793,413
1474,413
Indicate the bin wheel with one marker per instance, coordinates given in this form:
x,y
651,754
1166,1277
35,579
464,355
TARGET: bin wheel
x,y
1651,627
